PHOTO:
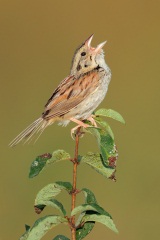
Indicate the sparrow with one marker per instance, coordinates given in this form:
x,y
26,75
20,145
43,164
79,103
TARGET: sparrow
x,y
78,95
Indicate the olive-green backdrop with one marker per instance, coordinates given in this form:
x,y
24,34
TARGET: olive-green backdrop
x,y
37,42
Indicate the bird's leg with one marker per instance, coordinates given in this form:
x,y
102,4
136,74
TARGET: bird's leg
x,y
80,124
91,119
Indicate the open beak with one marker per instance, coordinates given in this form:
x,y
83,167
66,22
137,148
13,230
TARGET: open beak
x,y
88,41
99,47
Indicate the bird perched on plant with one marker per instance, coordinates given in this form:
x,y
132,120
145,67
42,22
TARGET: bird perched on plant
x,y
78,95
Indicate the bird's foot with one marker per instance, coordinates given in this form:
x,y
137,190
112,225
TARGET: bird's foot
x,y
91,119
80,124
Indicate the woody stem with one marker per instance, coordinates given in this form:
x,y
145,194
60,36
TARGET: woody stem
x,y
74,190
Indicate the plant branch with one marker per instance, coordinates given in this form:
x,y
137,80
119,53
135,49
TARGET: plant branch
x,y
74,190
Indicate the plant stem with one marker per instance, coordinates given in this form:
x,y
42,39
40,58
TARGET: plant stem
x,y
74,190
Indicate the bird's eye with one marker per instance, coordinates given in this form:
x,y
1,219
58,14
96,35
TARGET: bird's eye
x,y
83,53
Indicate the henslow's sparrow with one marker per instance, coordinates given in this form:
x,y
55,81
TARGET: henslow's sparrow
x,y
78,95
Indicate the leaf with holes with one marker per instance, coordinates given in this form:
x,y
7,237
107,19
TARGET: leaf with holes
x,y
105,143
44,160
95,161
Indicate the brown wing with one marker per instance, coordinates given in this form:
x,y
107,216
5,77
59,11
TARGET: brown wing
x,y
70,93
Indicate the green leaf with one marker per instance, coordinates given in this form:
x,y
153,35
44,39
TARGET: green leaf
x,y
94,160
106,146
50,191
64,185
38,164
53,203
111,114
105,142
84,230
104,219
105,125
44,160
42,226
89,196
85,210
45,196
25,235
47,193
90,207
60,237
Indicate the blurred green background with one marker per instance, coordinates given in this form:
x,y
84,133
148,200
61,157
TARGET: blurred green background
x,y
37,42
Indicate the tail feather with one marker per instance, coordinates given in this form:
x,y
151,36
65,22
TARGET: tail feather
x,y
37,130
37,126
41,131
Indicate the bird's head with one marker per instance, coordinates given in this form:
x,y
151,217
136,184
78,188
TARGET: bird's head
x,y
86,58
